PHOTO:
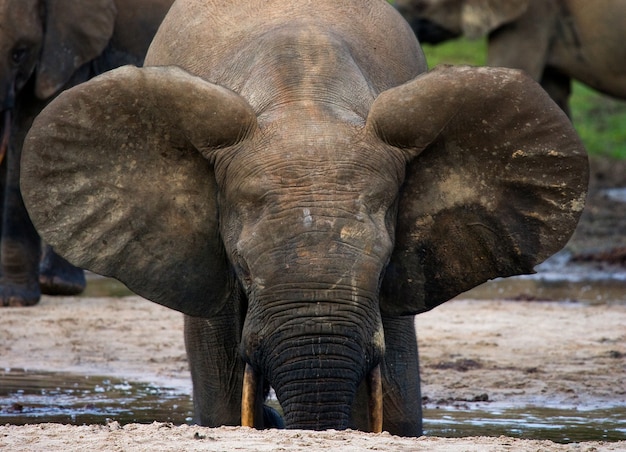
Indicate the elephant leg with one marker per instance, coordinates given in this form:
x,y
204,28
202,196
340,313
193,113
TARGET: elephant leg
x,y
402,397
216,369
22,261
57,276
20,247
217,373
525,43
558,86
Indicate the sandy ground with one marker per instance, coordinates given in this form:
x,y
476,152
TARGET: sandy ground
x,y
165,437
513,353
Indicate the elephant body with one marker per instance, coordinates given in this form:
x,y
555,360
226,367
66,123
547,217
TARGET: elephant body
x,y
555,41
48,46
297,184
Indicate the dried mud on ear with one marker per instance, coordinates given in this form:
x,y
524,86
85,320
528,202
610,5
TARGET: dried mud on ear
x,y
497,188
132,126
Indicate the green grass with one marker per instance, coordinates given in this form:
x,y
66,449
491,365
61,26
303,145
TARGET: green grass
x,y
459,51
599,120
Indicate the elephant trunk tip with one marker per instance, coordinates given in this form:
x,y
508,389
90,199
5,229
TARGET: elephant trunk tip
x,y
322,405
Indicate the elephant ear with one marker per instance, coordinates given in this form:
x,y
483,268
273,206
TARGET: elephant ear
x,y
113,179
76,32
496,183
480,17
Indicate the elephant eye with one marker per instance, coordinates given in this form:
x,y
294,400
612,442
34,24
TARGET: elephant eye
x,y
19,54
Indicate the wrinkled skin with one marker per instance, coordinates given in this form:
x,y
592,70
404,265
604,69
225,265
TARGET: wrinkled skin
x,y
317,189
81,40
555,41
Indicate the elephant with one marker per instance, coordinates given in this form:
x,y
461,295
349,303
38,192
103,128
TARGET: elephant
x,y
299,186
46,46
554,41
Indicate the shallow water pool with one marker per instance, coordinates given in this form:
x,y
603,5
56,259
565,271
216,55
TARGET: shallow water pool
x,y
36,397
558,425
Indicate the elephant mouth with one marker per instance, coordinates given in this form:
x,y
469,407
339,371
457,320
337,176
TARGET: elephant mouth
x,y
6,133
374,386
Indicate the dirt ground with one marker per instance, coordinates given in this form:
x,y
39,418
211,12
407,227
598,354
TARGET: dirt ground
x,y
472,351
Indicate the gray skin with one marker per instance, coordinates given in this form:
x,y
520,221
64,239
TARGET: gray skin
x,y
47,46
294,182
554,41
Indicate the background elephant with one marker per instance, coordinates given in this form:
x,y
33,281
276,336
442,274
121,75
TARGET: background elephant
x,y
46,46
553,40
316,189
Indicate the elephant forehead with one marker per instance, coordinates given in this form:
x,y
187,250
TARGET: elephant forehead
x,y
307,63
218,40
21,17
326,167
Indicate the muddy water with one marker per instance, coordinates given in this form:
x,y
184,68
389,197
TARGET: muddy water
x,y
27,398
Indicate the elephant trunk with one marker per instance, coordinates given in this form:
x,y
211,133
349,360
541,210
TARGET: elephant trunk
x,y
8,104
6,134
316,378
316,395
315,343
375,394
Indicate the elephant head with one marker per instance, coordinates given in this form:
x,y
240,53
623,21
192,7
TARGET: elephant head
x,y
438,20
310,171
52,38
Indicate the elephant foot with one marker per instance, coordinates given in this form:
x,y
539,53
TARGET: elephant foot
x,y
58,277
12,295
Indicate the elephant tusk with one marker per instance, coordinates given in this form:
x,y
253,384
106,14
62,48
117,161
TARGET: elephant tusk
x,y
375,389
6,134
248,397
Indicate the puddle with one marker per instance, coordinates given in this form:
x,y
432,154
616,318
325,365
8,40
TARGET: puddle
x,y
558,279
616,194
36,397
558,425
